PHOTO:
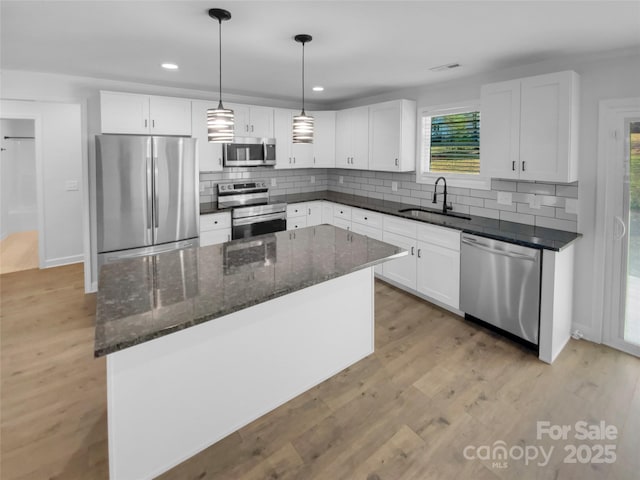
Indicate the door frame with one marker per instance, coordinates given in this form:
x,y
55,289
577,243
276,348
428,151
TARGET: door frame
x,y
611,145
10,114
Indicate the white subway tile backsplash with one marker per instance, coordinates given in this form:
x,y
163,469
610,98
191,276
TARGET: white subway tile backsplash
x,y
504,185
517,217
484,212
494,205
570,191
537,188
544,211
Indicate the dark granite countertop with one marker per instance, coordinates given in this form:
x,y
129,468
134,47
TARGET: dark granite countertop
x,y
147,297
518,233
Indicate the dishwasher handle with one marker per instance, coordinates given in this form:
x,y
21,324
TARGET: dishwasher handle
x,y
481,246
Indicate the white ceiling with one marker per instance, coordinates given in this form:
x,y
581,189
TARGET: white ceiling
x,y
359,48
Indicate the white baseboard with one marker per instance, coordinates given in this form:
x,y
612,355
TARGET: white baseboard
x,y
58,262
588,332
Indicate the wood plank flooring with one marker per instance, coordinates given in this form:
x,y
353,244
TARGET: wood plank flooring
x,y
434,385
19,251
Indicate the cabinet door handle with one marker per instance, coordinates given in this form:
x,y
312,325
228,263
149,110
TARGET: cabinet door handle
x,y
523,162
419,250
413,251
246,128
252,128
289,159
153,123
396,162
365,218
228,237
513,165
219,161
145,123
294,159
309,211
314,159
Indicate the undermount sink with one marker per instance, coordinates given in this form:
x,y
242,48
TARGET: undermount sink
x,y
425,212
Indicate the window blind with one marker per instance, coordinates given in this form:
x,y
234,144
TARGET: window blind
x,y
455,143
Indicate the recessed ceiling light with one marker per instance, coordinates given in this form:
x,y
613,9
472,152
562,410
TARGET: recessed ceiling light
x,y
170,66
318,89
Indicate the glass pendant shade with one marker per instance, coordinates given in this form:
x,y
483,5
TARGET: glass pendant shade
x,y
303,128
220,125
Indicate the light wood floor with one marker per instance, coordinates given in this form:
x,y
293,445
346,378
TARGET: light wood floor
x,y
434,385
19,251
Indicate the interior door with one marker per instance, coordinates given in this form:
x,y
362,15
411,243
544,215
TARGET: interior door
x,y
123,192
175,179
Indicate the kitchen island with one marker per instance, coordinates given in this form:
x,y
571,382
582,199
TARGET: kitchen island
x,y
200,342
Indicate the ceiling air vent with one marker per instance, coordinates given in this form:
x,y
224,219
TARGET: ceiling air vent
x,y
442,68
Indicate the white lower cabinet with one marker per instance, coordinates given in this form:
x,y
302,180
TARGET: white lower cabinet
x,y
438,273
401,270
327,213
215,228
341,223
360,225
305,214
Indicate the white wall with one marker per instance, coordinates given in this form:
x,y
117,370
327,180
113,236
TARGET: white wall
x,y
605,76
58,160
19,210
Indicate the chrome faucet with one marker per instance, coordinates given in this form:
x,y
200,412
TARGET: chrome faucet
x,y
445,207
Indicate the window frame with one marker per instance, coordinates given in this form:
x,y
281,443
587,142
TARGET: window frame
x,y
459,180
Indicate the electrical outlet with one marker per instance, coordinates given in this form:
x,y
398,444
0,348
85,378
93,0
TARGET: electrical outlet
x,y
535,201
571,205
341,179
394,186
504,198
273,182
71,185
313,179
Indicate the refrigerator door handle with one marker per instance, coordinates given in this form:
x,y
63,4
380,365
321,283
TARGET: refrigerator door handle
x,y
156,200
149,192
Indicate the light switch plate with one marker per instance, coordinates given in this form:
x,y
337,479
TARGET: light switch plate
x,y
394,186
313,179
273,182
571,205
341,179
71,185
535,201
504,198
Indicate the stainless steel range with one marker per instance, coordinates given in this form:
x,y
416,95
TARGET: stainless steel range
x,y
252,214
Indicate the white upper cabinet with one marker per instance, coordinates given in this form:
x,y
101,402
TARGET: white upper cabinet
x,y
352,138
392,136
131,113
529,128
209,154
252,121
324,139
289,154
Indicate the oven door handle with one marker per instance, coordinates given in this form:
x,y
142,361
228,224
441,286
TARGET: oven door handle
x,y
259,219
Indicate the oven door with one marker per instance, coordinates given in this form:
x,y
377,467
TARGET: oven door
x,y
258,225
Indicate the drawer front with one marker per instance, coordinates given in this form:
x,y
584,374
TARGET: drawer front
x,y
366,217
342,211
399,226
213,237
215,221
445,237
296,210
296,222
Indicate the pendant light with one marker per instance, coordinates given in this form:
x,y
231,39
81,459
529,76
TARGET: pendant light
x,y
303,123
220,120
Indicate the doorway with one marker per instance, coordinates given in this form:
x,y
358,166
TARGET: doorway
x,y
620,178
19,203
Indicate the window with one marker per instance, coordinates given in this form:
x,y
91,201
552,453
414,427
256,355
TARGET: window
x,y
450,145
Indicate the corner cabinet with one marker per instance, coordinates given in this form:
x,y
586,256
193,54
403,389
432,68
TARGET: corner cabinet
x,y
324,139
392,136
530,128
209,154
352,138
130,113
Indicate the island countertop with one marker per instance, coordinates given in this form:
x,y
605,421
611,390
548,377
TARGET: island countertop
x,y
148,297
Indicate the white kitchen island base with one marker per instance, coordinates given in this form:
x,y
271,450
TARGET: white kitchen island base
x,y
171,397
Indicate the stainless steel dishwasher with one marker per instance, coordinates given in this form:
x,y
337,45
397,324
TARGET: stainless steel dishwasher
x,y
500,285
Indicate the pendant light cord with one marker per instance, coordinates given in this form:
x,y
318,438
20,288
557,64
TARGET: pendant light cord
x,y
303,112
220,62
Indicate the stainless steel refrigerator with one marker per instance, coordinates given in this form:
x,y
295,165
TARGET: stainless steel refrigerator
x,y
146,195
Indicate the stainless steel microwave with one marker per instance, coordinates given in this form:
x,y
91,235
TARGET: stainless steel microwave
x,y
249,152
